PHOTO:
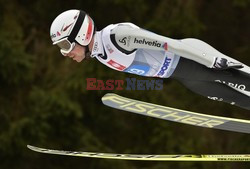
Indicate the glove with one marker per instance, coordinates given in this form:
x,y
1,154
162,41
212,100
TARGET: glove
x,y
222,64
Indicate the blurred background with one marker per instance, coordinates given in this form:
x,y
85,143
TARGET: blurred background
x,y
44,101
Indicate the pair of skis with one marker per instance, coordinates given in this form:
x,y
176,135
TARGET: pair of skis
x,y
165,113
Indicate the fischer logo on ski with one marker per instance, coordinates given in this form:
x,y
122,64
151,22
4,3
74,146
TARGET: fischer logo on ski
x,y
176,115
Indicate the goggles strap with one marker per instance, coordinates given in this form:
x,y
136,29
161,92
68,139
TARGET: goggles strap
x,y
77,26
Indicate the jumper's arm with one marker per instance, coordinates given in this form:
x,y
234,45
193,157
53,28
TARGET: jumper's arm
x,y
130,38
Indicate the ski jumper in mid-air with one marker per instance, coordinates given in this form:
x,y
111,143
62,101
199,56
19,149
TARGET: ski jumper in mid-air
x,y
128,48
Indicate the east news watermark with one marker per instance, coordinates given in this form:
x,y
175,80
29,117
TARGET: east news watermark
x,y
127,84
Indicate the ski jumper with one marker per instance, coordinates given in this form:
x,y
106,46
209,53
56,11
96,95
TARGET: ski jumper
x,y
127,48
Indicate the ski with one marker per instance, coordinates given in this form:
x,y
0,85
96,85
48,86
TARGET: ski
x,y
176,115
145,157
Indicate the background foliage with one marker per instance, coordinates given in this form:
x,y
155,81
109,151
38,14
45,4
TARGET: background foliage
x,y
44,101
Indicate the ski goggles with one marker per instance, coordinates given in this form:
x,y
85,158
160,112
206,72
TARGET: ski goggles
x,y
65,45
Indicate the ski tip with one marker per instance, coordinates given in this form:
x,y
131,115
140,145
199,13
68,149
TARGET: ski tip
x,y
30,147
107,95
33,148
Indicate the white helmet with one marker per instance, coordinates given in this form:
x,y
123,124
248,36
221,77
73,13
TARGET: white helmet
x,y
70,27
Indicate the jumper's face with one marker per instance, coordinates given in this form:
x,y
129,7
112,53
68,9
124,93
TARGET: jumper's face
x,y
77,53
